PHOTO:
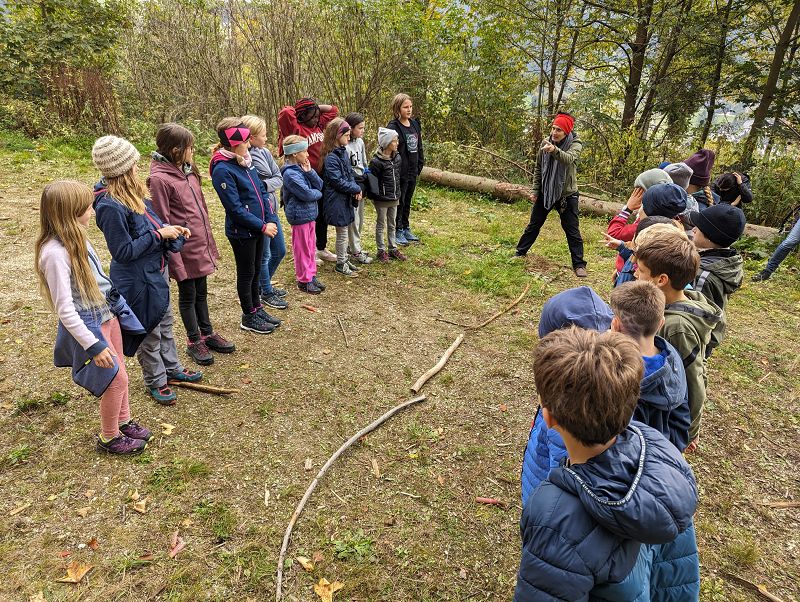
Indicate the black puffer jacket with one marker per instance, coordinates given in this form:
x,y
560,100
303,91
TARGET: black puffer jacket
x,y
386,180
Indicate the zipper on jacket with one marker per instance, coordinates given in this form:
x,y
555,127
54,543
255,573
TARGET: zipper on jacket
x,y
258,195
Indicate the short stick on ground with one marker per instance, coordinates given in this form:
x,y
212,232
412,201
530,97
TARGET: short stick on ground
x,y
417,386
344,332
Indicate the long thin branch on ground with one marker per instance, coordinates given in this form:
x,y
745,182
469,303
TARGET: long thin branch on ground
x,y
366,430
415,388
203,388
749,585
493,317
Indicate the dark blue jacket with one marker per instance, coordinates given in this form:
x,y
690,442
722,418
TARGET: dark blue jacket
x,y
628,271
583,528
663,397
340,186
139,256
300,194
85,373
244,197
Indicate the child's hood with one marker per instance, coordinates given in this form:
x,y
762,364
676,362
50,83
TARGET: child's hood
x,y
640,488
217,157
162,167
291,167
100,192
665,388
704,315
725,264
579,306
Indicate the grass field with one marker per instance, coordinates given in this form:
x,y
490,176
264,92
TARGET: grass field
x,y
395,519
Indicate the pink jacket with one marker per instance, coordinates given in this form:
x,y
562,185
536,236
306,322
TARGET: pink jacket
x,y
178,200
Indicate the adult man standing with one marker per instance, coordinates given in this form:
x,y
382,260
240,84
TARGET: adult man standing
x,y
555,186
308,119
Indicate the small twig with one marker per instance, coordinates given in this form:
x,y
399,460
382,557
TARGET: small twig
x,y
500,313
488,152
446,321
344,333
203,388
411,495
781,504
759,589
417,386
366,430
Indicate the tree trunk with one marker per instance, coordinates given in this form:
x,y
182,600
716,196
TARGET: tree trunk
x,y
760,116
638,54
781,104
712,101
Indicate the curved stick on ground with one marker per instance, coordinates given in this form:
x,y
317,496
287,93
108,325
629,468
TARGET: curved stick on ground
x,y
500,313
367,429
203,388
415,388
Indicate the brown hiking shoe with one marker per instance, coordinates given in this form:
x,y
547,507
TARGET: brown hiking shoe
x,y
580,272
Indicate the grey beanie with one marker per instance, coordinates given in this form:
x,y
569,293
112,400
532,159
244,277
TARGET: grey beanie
x,y
651,177
114,156
385,137
680,173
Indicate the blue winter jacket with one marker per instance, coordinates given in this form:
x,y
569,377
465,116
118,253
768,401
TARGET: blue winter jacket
x,y
244,197
301,193
139,256
340,186
68,353
583,528
628,271
663,397
545,449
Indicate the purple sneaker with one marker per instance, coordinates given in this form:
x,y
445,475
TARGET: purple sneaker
x,y
121,445
134,430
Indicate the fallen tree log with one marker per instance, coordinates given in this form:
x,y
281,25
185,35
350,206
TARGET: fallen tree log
x,y
508,192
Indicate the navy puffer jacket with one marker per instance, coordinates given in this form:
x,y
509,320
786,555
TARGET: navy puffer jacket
x,y
340,186
300,194
242,193
583,528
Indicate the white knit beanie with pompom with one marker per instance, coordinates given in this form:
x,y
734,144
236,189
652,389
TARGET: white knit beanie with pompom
x,y
114,156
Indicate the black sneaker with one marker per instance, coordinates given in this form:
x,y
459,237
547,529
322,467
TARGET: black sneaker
x,y
309,287
761,276
199,352
274,301
254,323
318,284
281,292
268,318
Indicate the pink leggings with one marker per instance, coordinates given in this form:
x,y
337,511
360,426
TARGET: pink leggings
x,y
114,408
304,248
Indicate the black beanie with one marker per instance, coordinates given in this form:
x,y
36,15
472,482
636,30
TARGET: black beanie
x,y
721,224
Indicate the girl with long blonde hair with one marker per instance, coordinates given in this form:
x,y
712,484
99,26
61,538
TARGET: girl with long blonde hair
x,y
89,339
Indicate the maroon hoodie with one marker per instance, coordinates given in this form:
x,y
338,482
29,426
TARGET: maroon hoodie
x,y
178,200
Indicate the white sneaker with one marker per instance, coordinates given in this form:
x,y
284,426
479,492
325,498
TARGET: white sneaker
x,y
318,261
326,255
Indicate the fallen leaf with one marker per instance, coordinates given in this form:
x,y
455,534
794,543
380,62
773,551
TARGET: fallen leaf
x,y
176,544
166,428
503,407
75,572
318,556
51,497
310,308
7,405
390,521
187,522
146,557
141,505
92,543
247,381
89,493
244,367
375,470
64,554
440,479
491,502
325,589
83,512
308,464
38,597
19,509
18,341
133,495
326,352
462,573
305,563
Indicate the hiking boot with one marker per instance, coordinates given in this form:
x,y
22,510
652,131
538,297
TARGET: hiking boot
x,y
309,287
383,256
274,301
186,376
761,276
163,395
199,352
353,267
253,323
362,257
410,236
134,430
326,255
216,342
318,284
268,318
281,292
121,445
344,270
400,238
580,272
396,254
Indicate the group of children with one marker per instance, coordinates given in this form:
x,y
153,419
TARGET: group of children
x,y
162,230
607,496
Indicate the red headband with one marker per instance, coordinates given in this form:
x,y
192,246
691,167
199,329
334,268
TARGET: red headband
x,y
344,128
565,122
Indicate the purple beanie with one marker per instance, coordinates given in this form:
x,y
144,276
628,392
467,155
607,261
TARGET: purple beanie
x,y
701,163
